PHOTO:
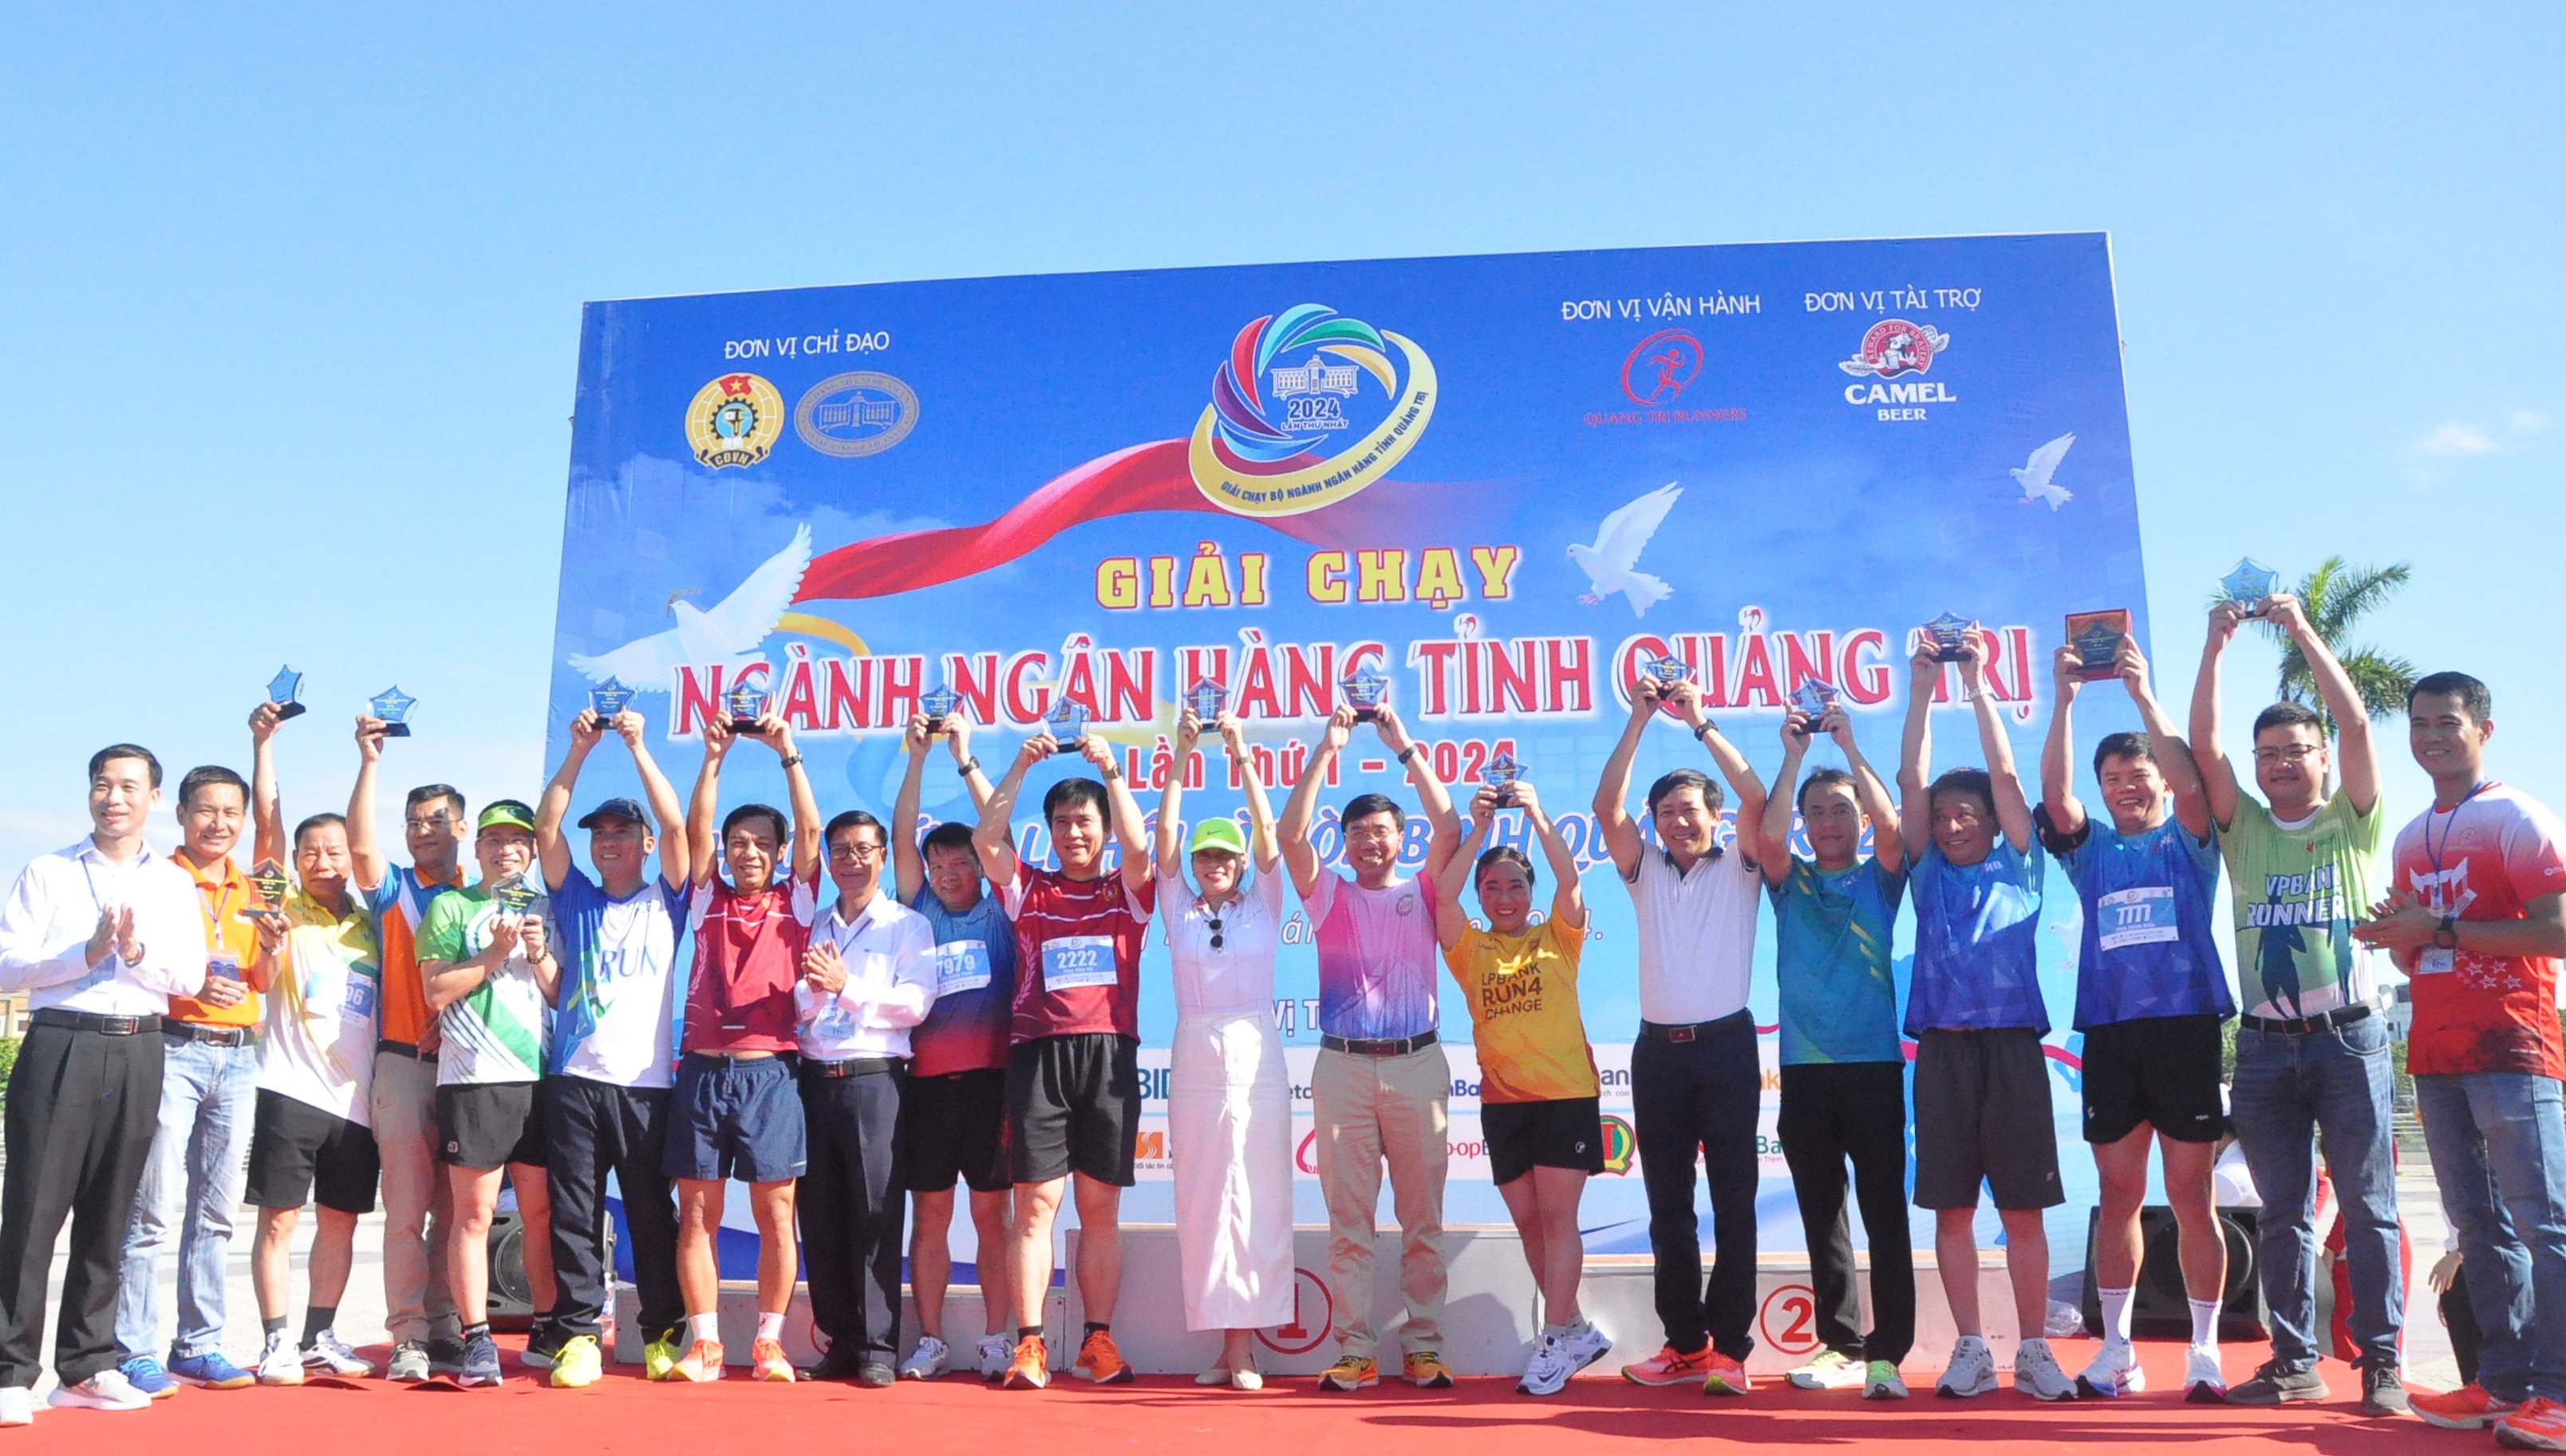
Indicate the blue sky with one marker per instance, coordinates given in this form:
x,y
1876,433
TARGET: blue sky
x,y
291,306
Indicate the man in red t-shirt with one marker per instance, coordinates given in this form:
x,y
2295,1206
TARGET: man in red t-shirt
x,y
1073,1065
2477,919
735,1111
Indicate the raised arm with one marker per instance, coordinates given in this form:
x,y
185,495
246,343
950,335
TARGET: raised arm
x,y
1568,892
550,847
1773,827
364,857
1743,786
2058,749
1261,843
2173,754
2217,778
1172,840
1451,875
1887,847
2014,811
676,853
267,810
2355,752
907,865
1613,819
994,835
1299,854
703,811
1421,772
1916,748
797,790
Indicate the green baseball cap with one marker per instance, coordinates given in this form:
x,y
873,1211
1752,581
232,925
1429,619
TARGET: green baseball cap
x,y
1218,833
512,812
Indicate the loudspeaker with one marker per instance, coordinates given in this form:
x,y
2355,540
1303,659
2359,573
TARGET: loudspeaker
x,y
511,1299
2160,1306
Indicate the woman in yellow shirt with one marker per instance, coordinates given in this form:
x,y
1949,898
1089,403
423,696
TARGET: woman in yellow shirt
x,y
1537,1085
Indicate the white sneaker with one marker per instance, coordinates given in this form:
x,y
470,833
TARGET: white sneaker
x,y
1830,1370
1546,1373
926,1361
1584,1345
2115,1372
2204,1381
17,1406
2036,1372
1971,1372
105,1390
995,1350
327,1353
280,1363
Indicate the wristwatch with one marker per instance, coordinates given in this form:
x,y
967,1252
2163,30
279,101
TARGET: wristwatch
x,y
1410,751
2448,936
1708,727
968,769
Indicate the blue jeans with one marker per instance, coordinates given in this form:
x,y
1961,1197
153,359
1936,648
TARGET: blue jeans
x,y
2498,1148
198,1162
2293,1092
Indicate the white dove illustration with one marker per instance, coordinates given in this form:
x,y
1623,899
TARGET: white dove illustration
x,y
730,631
2035,472
1611,563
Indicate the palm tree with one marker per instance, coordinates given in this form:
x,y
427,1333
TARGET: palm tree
x,y
2336,596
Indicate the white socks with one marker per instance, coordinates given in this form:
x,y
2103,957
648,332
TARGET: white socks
x,y
2116,1314
704,1326
770,1326
2205,1324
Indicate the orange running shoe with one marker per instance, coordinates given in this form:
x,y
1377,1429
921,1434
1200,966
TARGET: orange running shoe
x,y
2539,1425
1723,1374
1669,1367
1100,1362
703,1361
1029,1368
1425,1370
1351,1372
2468,1408
766,1362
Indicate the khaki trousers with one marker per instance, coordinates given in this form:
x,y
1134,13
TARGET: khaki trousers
x,y
1371,1112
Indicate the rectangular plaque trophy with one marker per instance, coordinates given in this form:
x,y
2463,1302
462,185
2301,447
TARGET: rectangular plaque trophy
x,y
1949,634
1067,724
2097,639
2250,585
285,691
1500,773
392,706
938,704
607,700
1208,700
267,882
1365,688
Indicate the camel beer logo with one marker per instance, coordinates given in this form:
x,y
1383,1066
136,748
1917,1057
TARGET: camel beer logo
x,y
1896,350
734,420
1309,407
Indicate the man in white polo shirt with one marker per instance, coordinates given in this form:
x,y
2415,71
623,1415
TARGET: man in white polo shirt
x,y
868,976
1696,1082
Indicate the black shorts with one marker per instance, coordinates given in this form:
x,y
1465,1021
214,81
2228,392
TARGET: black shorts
x,y
484,1124
1563,1132
954,1127
736,1117
1072,1105
294,1148
2159,1069
1982,1116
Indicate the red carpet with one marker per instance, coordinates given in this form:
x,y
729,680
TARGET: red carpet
x,y
959,1416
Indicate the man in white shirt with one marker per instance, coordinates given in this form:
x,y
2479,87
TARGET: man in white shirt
x,y
102,935
613,1054
868,976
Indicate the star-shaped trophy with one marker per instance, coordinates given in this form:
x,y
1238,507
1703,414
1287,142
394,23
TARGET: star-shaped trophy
x,y
1364,689
268,882
938,704
514,895
1500,774
1670,671
2250,585
1949,634
607,700
746,704
285,691
1067,724
392,706
1208,700
1813,696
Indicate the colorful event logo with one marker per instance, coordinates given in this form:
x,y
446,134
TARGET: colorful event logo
x,y
1288,432
1660,366
860,412
734,420
1620,1145
1895,346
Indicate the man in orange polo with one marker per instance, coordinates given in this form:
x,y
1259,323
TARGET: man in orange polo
x,y
428,1336
191,1182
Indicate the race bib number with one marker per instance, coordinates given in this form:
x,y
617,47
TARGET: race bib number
x,y
1074,961
2141,916
962,965
357,999
835,1019
2435,961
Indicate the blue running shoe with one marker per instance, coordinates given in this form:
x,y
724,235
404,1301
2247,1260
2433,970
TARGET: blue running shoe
x,y
144,1374
480,1362
210,1370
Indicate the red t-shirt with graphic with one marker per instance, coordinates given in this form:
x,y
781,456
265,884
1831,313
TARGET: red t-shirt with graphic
x,y
2483,861
1077,953
748,956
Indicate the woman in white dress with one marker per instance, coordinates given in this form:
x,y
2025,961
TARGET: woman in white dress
x,y
1229,1108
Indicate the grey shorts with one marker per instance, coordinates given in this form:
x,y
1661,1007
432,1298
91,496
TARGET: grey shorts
x,y
1982,1116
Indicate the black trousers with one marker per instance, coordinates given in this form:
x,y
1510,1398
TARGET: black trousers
x,y
851,1208
591,1129
1853,1111
82,1106
1700,1098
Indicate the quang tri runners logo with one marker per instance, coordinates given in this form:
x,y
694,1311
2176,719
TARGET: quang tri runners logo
x,y
1310,407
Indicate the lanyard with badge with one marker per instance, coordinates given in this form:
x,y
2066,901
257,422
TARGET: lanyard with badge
x,y
2437,960
219,961
105,969
833,1018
